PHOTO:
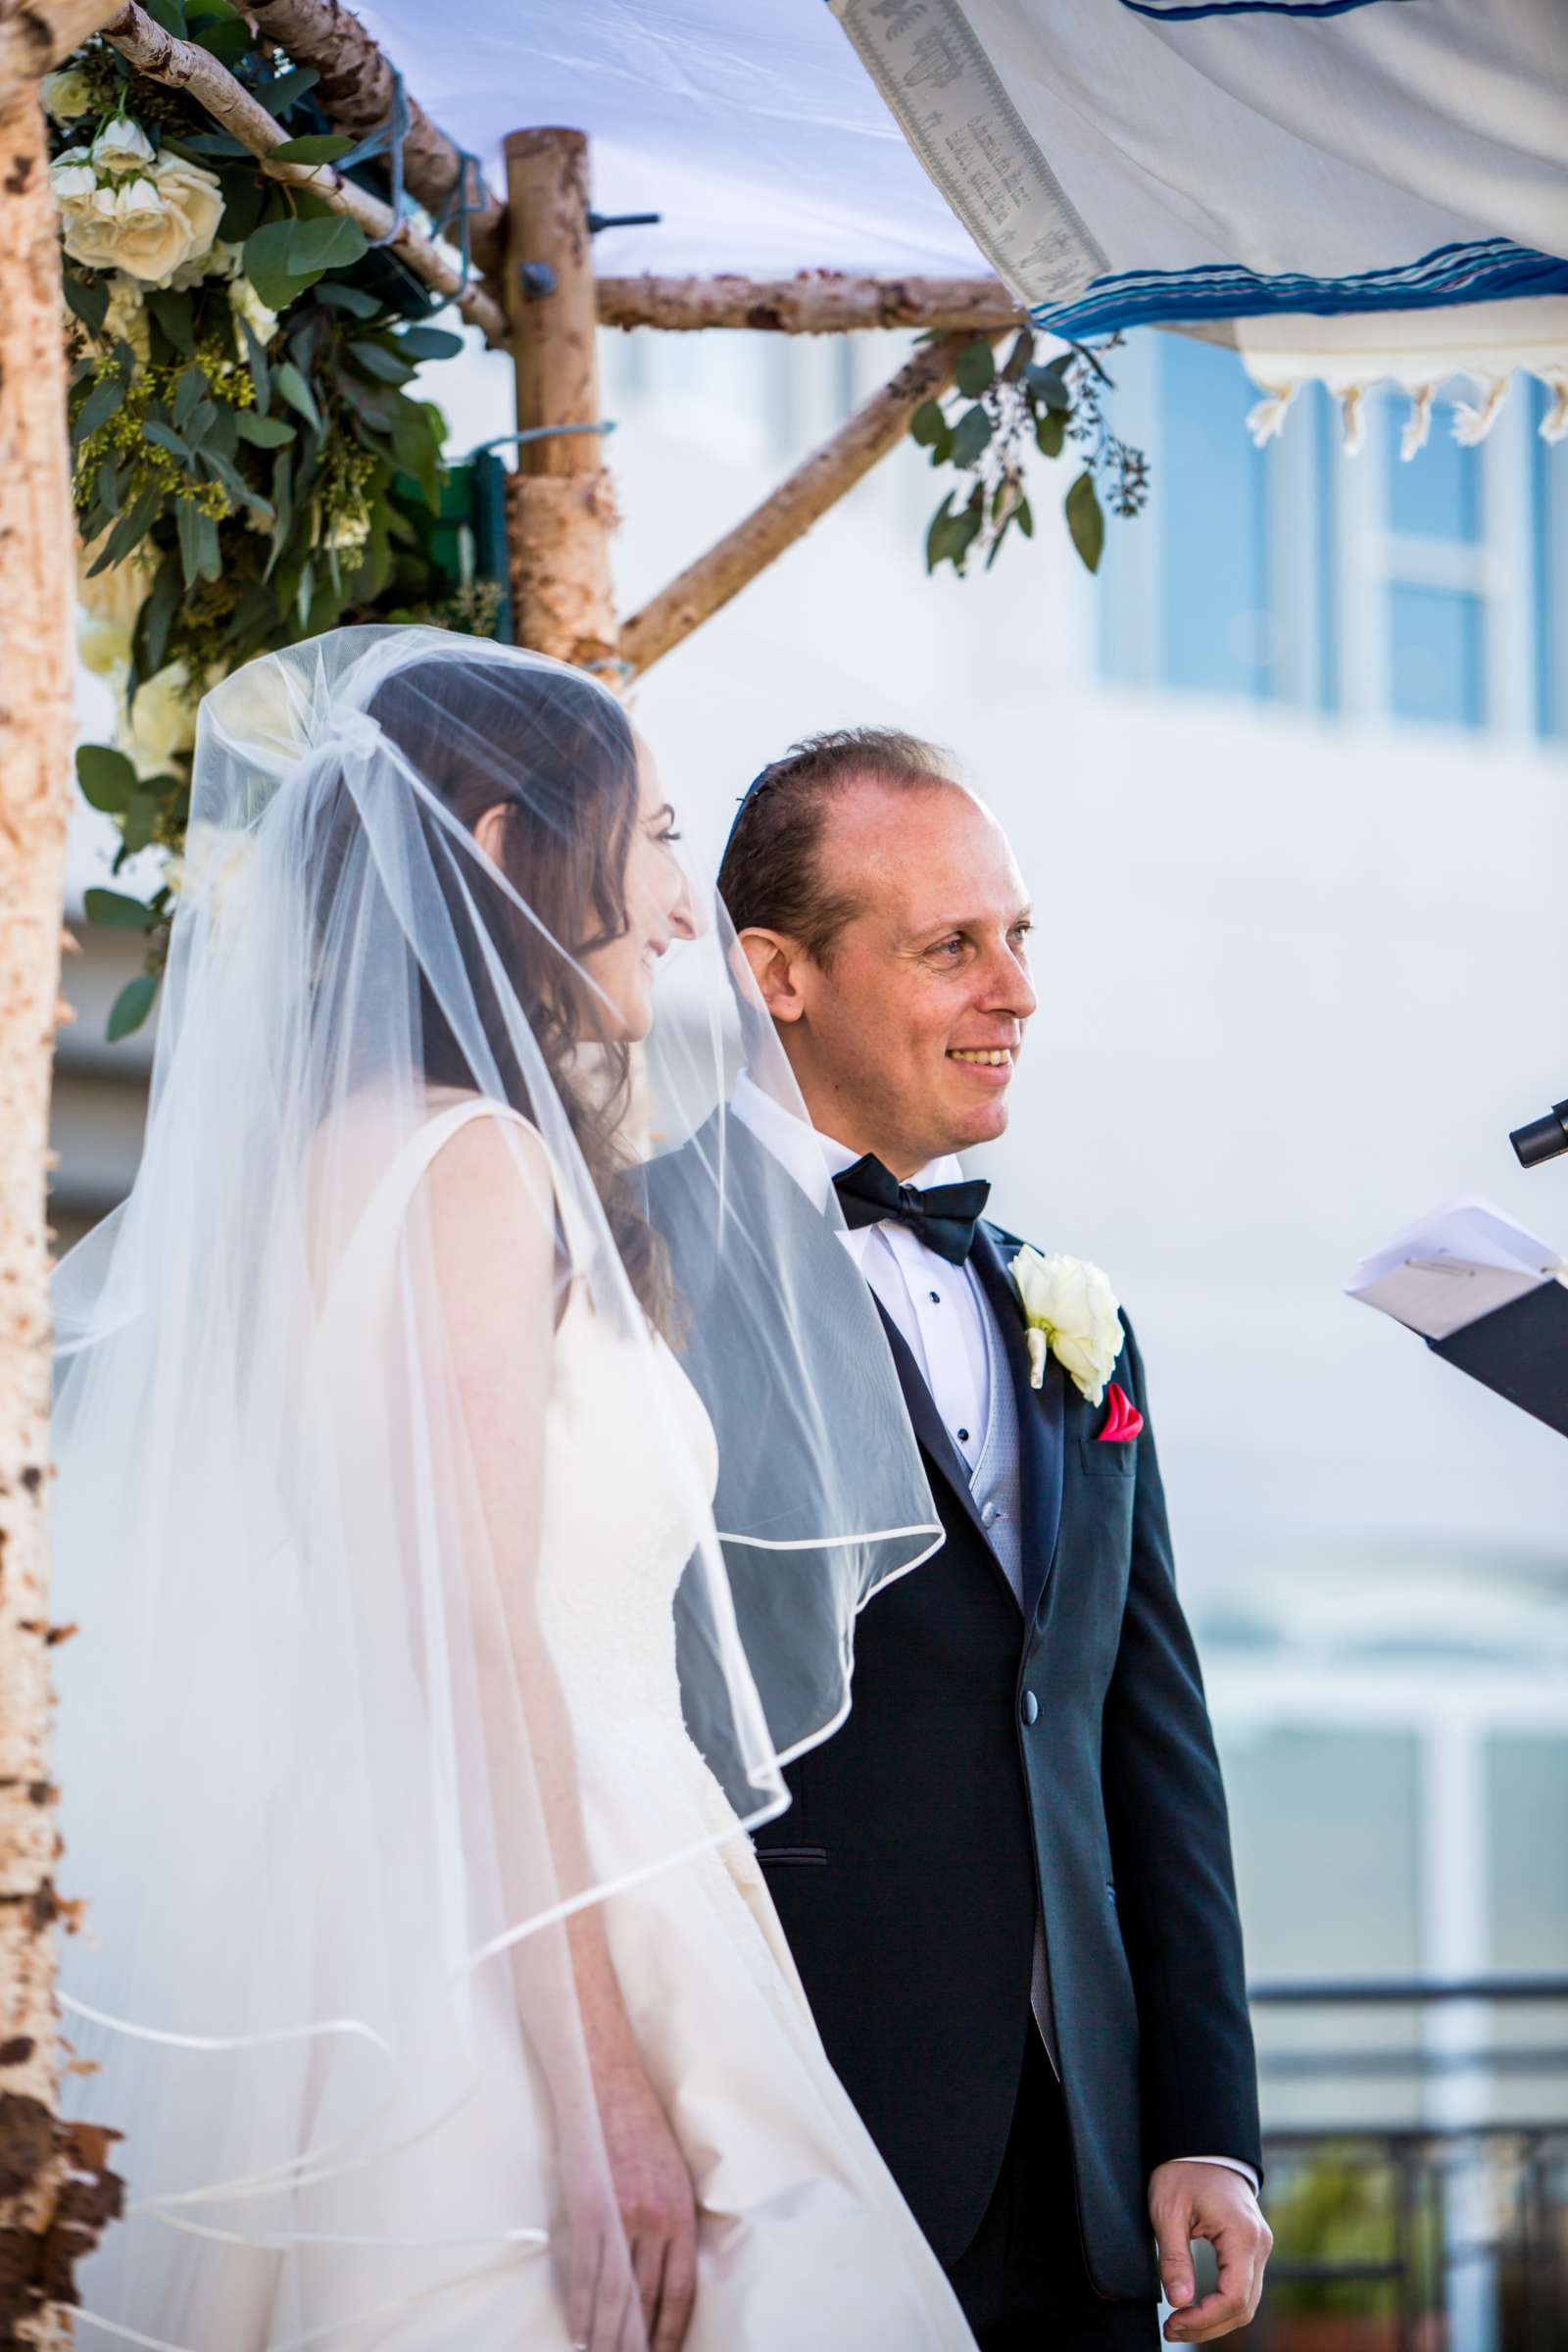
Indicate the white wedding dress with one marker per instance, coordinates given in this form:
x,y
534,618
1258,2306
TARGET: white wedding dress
x,y
803,2237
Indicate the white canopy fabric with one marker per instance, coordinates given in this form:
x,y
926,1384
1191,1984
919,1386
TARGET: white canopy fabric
x,y
749,125
1370,188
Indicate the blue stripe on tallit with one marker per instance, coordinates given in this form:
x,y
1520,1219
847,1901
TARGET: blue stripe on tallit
x,y
1489,272
1183,11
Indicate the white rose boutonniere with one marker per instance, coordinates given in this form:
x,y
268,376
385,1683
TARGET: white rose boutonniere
x,y
1072,1311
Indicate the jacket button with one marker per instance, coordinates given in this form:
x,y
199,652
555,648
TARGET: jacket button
x,y
1029,1706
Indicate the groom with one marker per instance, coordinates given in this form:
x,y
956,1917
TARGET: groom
x,y
1006,1881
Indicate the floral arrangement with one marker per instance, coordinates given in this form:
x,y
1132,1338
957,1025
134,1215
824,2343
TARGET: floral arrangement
x,y
1050,404
250,462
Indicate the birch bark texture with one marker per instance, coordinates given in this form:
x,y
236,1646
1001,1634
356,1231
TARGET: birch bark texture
x,y
54,2191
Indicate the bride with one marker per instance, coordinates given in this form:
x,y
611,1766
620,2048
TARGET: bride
x,y
409,1741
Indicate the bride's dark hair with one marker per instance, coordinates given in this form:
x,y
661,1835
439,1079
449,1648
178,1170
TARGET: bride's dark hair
x,y
556,753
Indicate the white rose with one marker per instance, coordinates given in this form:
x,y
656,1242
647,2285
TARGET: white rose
x,y
1071,1310
103,646
66,93
148,225
224,261
161,721
71,175
121,146
247,304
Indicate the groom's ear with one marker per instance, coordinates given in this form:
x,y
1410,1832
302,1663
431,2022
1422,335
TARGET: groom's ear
x,y
776,959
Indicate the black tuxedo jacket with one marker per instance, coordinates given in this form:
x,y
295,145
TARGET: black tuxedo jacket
x,y
995,1761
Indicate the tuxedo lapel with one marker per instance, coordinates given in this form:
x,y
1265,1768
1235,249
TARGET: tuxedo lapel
x,y
1041,1414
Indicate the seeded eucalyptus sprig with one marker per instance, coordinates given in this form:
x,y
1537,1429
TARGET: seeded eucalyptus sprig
x,y
1048,402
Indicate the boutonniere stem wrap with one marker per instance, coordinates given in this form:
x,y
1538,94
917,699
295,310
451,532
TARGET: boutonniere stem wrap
x,y
1070,1311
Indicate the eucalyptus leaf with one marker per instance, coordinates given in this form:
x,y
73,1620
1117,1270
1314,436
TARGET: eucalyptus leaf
x,y
271,266
104,400
304,592
164,436
129,531
106,776
160,608
173,314
188,390
928,424
1049,386
88,298
970,435
283,91
976,371
208,553
201,419
429,342
188,521
315,147
132,1007
244,202
117,913
1051,433
354,299
216,146
1085,521
139,822
263,432
228,41
335,243
297,392
170,15
385,366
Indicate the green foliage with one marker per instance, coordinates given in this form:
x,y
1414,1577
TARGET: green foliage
x,y
1045,402
250,437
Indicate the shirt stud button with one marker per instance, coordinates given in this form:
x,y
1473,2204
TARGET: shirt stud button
x,y
964,1437
936,1297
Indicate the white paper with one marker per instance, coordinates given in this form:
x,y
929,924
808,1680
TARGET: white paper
x,y
1445,1272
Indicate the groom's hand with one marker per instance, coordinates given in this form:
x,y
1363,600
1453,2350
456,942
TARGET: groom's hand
x,y
1205,2200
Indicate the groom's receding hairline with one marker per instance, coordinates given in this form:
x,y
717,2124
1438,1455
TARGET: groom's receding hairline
x,y
772,876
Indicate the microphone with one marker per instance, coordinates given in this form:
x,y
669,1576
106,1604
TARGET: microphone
x,y
1542,1139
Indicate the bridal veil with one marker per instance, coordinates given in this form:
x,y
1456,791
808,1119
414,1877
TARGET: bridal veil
x,y
312,1750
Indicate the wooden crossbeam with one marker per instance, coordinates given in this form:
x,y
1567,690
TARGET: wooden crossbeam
x,y
813,302
814,486
185,66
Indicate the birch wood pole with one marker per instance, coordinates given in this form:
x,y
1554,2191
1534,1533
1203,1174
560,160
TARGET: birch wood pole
x,y
813,302
356,90
183,66
54,2193
816,485
560,508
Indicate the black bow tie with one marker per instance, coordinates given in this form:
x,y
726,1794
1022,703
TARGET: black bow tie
x,y
945,1216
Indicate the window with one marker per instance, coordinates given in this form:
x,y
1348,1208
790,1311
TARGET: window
x,y
1432,591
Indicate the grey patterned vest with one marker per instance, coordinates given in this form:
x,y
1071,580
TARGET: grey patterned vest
x,y
997,1488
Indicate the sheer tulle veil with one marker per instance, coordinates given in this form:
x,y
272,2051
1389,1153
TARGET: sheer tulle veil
x,y
311,1748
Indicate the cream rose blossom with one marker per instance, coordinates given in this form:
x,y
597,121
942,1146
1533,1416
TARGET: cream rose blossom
x,y
121,210
66,93
161,721
1071,1312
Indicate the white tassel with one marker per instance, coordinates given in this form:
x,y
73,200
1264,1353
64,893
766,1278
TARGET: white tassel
x,y
1267,422
1554,424
1353,419
1418,424
1471,424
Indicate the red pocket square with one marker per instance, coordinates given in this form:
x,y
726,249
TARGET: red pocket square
x,y
1122,1419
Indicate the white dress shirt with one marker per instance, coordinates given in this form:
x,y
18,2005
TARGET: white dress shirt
x,y
935,1307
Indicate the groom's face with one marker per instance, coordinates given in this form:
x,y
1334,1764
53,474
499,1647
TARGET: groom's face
x,y
904,1040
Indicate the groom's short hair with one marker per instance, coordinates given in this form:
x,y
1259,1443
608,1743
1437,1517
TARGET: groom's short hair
x,y
772,875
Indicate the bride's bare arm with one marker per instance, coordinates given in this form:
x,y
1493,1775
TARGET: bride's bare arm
x,y
497,1270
